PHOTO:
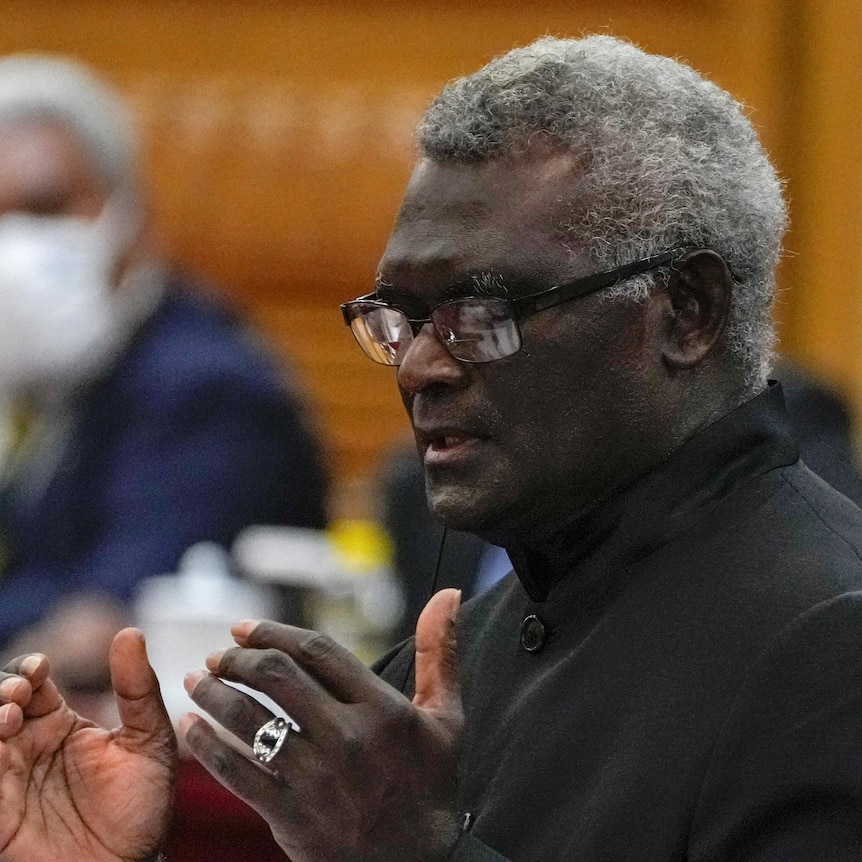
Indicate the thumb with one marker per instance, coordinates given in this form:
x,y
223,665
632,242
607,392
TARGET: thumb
x,y
437,687
136,689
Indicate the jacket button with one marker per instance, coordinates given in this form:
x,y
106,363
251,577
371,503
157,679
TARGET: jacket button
x,y
532,633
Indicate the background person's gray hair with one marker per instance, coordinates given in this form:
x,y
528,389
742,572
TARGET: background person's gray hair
x,y
38,86
668,159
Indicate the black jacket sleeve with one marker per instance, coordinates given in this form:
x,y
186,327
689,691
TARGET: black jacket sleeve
x,y
783,782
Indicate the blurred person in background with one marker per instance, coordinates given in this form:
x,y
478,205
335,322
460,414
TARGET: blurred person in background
x,y
138,416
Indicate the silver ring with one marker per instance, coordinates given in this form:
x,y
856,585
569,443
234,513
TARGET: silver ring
x,y
269,739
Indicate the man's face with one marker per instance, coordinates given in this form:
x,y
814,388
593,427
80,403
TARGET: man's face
x,y
510,444
45,171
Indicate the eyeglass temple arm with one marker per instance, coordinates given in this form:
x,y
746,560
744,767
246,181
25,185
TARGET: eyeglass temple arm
x,y
590,284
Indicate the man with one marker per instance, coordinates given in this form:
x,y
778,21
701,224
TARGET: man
x,y
674,670
153,420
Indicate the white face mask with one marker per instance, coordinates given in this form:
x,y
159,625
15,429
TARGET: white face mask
x,y
59,321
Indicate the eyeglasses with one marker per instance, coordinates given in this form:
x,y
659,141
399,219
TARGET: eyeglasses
x,y
476,328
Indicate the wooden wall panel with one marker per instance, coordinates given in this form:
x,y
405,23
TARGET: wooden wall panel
x,y
279,133
277,137
823,308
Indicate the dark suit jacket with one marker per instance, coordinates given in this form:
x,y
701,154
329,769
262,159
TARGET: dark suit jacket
x,y
191,436
675,676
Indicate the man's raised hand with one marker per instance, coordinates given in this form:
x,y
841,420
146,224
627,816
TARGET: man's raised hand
x,y
75,792
371,776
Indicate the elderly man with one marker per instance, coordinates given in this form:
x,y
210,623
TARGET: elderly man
x,y
577,297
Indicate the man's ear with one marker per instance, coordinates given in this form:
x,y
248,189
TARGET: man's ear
x,y
700,292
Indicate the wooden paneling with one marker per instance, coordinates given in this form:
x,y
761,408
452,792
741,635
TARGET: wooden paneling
x,y
279,134
278,139
823,307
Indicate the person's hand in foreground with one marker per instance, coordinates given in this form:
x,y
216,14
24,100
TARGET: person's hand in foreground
x,y
71,791
371,776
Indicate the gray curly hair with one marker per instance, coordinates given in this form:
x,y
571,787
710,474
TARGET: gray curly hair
x,y
668,158
61,90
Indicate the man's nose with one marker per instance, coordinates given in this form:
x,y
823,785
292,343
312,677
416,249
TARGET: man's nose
x,y
428,363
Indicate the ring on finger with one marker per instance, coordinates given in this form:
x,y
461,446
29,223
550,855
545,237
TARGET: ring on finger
x,y
270,738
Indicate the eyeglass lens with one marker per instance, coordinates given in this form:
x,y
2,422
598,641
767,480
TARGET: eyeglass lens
x,y
477,329
472,329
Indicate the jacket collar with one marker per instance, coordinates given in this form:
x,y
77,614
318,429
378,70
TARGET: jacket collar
x,y
750,440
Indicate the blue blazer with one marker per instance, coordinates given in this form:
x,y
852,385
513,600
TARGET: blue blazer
x,y
192,436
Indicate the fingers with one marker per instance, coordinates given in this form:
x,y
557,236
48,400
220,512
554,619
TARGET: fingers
x,y
243,777
15,694
243,717
136,690
302,671
34,690
25,691
337,669
437,688
35,666
15,689
273,673
11,720
237,712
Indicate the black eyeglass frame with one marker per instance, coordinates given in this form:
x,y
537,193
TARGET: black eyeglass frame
x,y
524,306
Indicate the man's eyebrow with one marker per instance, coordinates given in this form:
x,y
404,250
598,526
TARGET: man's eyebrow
x,y
481,283
490,283
477,284
391,293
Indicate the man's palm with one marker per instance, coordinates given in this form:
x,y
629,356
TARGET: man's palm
x,y
72,791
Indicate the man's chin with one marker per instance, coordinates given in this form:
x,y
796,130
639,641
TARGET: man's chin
x,y
464,511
